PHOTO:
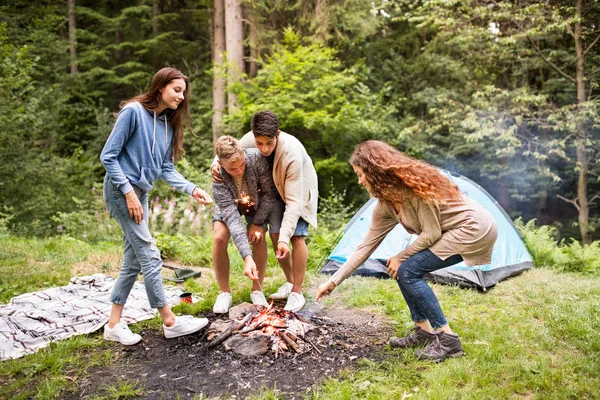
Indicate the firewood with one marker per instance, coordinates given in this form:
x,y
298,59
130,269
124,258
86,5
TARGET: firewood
x,y
280,342
248,329
311,343
289,341
221,338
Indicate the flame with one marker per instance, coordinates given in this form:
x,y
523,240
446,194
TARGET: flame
x,y
271,319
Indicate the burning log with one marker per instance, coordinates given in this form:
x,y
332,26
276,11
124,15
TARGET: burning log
x,y
288,340
235,327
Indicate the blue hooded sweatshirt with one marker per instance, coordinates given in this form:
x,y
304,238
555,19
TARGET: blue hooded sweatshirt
x,y
138,151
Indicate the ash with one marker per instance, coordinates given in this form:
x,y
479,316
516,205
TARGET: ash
x,y
188,367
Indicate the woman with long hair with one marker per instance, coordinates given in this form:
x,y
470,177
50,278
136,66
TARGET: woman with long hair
x,y
146,140
450,228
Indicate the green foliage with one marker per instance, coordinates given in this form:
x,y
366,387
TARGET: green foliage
x,y
35,180
468,106
127,389
564,256
318,100
324,104
190,250
334,213
90,221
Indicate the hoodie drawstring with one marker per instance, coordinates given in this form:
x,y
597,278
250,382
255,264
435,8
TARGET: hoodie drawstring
x,y
154,132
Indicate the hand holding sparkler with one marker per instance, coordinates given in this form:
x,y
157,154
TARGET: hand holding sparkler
x,y
250,268
201,196
325,290
283,250
256,234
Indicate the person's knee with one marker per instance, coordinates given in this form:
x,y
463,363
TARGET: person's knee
x,y
407,274
297,241
220,240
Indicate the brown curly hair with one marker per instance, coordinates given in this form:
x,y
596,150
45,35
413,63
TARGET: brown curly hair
x,y
391,173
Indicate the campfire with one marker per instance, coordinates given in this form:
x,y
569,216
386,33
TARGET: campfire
x,y
262,329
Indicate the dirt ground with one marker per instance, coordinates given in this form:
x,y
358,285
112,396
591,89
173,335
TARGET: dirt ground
x,y
184,367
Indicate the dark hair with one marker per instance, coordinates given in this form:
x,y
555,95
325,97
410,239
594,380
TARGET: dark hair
x,y
265,123
180,116
390,173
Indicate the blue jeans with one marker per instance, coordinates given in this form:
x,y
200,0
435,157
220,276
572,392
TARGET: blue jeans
x,y
141,253
418,295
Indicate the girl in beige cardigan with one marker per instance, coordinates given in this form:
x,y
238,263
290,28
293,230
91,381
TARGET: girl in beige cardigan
x,y
450,228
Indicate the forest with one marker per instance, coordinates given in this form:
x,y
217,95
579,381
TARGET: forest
x,y
505,93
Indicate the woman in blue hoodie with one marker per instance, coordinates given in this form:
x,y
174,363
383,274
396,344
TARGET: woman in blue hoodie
x,y
145,141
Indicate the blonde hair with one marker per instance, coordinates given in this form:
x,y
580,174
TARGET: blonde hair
x,y
228,149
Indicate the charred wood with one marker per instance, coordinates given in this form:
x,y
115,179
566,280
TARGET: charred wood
x,y
222,337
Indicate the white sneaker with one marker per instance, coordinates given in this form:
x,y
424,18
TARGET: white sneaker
x,y
283,292
122,334
295,302
184,325
223,303
258,298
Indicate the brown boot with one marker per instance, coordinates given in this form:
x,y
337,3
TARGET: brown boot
x,y
447,345
417,338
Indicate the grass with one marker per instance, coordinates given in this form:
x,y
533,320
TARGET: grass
x,y
535,336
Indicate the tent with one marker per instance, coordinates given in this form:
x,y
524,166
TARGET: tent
x,y
509,257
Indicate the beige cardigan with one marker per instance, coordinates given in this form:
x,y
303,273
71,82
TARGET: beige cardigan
x,y
295,179
460,227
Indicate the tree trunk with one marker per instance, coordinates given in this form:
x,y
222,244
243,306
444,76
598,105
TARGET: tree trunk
x,y
582,163
321,20
119,53
72,37
234,44
155,14
218,84
254,46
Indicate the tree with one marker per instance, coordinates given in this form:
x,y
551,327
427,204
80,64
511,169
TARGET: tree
x,y
72,37
323,104
234,44
218,88
516,110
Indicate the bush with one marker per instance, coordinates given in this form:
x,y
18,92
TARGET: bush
x,y
333,212
564,256
90,221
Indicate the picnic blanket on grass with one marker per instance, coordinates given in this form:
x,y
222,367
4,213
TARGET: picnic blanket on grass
x,y
32,321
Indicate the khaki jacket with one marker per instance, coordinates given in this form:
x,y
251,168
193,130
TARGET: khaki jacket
x,y
295,179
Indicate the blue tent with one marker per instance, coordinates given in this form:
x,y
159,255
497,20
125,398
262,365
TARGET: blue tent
x,y
510,257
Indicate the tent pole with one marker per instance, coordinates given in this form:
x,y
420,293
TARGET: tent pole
x,y
320,266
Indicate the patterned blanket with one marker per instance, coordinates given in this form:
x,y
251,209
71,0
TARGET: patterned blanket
x,y
32,321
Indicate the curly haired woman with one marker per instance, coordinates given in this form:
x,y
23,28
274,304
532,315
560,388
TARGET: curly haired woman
x,y
450,228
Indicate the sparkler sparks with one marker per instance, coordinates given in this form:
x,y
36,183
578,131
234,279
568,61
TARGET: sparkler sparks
x,y
245,204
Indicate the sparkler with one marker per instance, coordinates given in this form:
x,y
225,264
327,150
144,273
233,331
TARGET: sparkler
x,y
245,204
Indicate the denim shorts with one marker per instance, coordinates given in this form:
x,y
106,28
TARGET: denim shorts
x,y
274,220
276,216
